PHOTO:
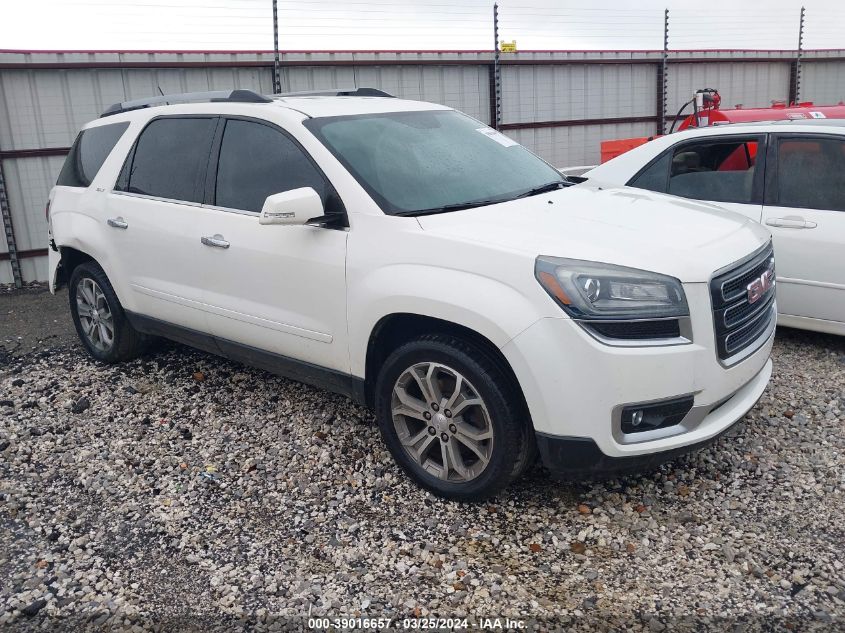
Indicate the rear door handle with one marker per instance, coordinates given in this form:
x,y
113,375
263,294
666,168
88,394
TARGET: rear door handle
x,y
791,223
216,241
118,223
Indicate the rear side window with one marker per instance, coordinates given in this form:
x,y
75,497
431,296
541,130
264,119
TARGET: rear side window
x,y
257,161
809,173
89,152
170,159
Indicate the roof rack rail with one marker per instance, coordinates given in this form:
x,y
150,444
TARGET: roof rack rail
x,y
339,92
231,96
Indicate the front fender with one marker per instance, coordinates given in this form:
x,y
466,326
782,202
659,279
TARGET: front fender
x,y
489,307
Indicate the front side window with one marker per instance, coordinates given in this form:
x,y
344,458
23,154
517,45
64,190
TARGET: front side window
x,y
89,152
722,171
719,171
655,177
170,159
257,161
809,173
428,161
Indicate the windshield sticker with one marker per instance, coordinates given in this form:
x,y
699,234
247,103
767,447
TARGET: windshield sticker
x,y
818,115
500,138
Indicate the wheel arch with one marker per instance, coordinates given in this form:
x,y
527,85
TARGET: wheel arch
x,y
392,330
69,259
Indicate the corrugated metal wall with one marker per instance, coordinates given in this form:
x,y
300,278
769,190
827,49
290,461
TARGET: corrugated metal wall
x,y
559,104
28,182
823,82
575,145
562,93
466,88
752,84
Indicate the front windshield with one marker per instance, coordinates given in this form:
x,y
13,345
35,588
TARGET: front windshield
x,y
429,161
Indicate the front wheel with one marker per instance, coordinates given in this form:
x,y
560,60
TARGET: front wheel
x,y
99,318
451,418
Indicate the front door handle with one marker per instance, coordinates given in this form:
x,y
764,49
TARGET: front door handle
x,y
118,223
791,222
216,241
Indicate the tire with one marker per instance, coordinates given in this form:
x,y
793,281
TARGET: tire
x,y
89,286
529,453
433,436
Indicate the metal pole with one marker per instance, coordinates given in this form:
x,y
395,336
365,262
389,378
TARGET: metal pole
x,y
277,80
497,71
6,216
798,54
664,78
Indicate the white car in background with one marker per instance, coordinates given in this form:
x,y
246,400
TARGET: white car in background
x,y
787,175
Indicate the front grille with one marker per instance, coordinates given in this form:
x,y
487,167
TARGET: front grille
x,y
738,322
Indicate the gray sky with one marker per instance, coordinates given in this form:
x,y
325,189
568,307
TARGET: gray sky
x,y
415,25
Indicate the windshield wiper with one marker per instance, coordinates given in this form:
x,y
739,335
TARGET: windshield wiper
x,y
549,186
458,206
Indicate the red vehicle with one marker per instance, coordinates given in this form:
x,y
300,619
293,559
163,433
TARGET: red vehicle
x,y
706,111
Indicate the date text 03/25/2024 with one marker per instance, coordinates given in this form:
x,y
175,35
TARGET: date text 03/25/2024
x,y
417,624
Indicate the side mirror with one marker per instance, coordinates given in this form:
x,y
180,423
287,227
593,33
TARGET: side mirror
x,y
294,207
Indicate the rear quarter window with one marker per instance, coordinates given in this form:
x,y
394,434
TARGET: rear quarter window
x,y
88,153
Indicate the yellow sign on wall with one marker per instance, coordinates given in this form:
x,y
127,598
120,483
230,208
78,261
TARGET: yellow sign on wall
x,y
508,47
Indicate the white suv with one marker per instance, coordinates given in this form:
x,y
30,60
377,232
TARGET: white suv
x,y
408,256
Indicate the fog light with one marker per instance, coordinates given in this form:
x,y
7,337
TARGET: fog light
x,y
639,418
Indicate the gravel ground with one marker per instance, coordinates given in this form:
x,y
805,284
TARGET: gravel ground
x,y
32,318
184,492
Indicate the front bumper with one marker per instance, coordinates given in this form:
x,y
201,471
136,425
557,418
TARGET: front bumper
x,y
575,387
580,457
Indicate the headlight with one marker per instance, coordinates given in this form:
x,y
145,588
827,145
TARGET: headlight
x,y
596,291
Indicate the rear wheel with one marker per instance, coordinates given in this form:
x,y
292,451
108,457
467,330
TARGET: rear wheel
x,y
99,318
451,418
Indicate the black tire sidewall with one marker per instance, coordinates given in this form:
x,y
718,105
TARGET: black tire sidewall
x,y
93,271
492,388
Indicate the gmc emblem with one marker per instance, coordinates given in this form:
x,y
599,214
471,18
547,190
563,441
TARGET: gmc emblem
x,y
760,286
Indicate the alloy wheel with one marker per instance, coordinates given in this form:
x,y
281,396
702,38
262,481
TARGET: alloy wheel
x,y
95,315
442,422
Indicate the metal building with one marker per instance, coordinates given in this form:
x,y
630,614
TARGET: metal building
x,y
560,104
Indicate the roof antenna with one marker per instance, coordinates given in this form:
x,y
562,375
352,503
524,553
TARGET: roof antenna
x,y
160,90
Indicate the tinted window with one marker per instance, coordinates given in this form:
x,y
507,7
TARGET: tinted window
x,y
656,176
809,173
257,161
721,171
170,159
89,152
421,161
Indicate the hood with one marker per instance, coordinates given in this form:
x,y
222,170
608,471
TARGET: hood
x,y
617,225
